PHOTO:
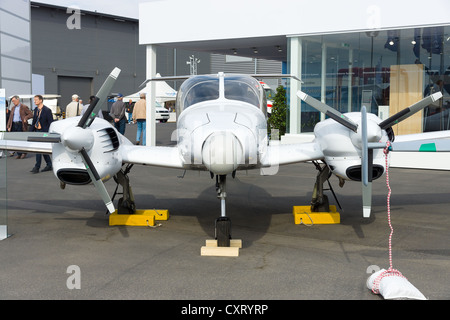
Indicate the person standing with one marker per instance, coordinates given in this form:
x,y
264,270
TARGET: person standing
x,y
18,120
42,119
74,108
129,108
140,117
118,114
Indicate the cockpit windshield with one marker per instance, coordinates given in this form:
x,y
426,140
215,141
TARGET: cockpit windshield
x,y
197,89
235,87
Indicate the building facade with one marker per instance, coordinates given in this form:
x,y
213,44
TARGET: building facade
x,y
386,55
84,47
15,46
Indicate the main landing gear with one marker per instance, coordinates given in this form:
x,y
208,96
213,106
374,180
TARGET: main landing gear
x,y
126,204
319,202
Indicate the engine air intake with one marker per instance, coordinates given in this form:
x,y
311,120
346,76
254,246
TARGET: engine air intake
x,y
74,176
354,172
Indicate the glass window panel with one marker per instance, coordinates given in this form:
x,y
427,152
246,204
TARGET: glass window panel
x,y
385,70
311,77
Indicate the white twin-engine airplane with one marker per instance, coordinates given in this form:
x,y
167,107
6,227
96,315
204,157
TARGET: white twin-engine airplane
x,y
222,128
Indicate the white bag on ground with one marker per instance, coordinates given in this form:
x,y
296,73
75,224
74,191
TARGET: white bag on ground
x,y
394,287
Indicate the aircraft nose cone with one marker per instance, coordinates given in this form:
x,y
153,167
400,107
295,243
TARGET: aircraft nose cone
x,y
222,153
77,138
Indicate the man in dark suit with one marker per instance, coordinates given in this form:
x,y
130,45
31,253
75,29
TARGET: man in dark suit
x,y
42,119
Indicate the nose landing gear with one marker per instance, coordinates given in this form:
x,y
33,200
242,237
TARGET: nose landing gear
x,y
223,223
223,245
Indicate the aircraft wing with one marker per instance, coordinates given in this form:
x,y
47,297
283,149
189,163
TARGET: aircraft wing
x,y
438,141
292,153
168,157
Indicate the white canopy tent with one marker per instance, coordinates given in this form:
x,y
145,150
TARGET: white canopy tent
x,y
163,93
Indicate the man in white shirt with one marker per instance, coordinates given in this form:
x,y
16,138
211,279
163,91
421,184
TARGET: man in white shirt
x,y
74,108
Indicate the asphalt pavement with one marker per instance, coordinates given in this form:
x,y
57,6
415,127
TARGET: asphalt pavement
x,y
61,239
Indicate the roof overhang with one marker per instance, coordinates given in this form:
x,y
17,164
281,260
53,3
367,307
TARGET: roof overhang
x,y
247,26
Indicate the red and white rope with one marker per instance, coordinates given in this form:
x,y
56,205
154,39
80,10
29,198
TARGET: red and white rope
x,y
391,271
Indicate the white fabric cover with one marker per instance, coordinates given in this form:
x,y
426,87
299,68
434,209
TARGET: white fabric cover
x,y
395,287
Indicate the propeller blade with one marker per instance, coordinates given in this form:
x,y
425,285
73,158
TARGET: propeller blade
x,y
328,111
50,139
408,112
89,114
102,95
367,199
364,148
32,136
366,166
97,181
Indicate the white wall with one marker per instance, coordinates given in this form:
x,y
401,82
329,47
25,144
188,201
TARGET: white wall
x,y
166,21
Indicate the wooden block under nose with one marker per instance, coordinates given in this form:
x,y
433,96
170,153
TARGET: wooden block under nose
x,y
212,250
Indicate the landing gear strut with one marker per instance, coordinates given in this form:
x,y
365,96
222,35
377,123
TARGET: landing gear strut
x,y
319,202
126,204
223,223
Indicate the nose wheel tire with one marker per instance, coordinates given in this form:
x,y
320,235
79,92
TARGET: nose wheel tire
x,y
223,231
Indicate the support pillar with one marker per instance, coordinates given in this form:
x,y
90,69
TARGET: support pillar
x,y
151,96
296,70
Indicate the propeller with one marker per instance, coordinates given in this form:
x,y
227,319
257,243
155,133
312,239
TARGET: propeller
x,y
328,111
367,143
84,123
79,139
408,112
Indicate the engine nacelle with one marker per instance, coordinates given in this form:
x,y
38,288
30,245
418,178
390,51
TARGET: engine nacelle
x,y
68,165
342,147
350,168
